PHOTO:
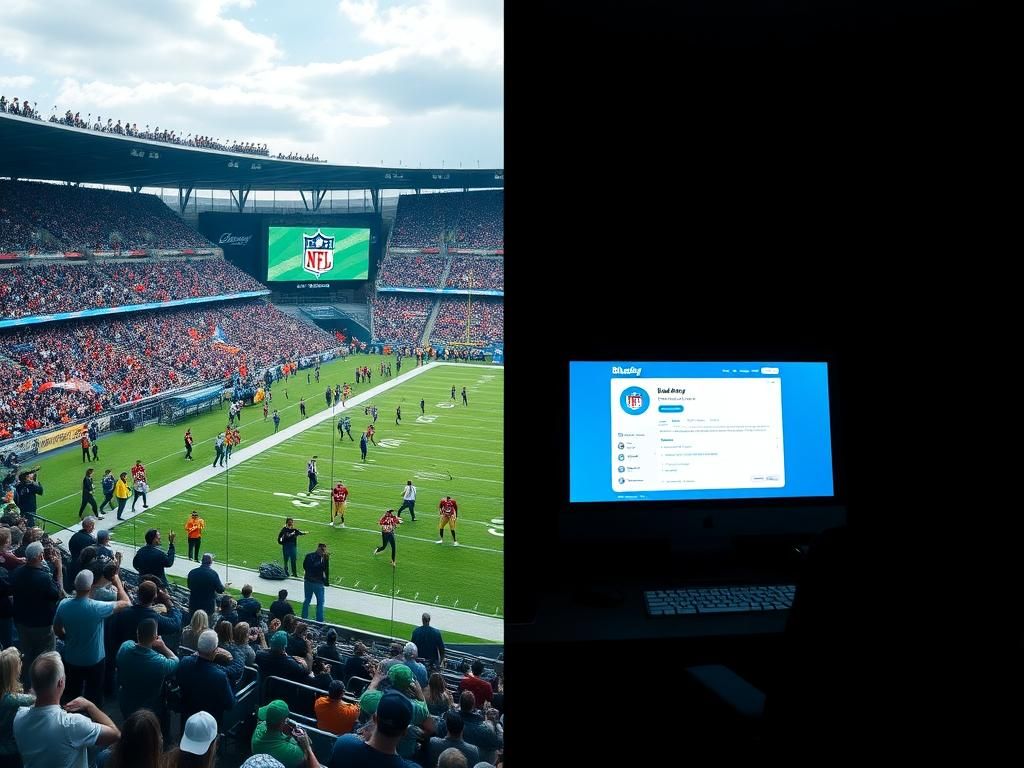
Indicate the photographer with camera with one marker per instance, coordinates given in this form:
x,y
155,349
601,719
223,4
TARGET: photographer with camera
x,y
277,736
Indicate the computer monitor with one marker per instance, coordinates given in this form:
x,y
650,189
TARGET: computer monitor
x,y
702,451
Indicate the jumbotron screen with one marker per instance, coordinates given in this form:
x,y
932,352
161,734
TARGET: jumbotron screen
x,y
317,253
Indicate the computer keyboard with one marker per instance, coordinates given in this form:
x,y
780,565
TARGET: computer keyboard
x,y
734,599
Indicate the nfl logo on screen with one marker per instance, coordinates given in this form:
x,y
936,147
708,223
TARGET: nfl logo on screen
x,y
319,256
634,400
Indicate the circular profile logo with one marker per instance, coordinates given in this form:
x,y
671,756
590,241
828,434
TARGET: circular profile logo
x,y
634,401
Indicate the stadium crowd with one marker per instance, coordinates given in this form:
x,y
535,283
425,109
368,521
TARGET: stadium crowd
x,y
481,222
412,270
401,319
477,273
81,217
128,128
487,323
27,290
120,650
461,219
125,359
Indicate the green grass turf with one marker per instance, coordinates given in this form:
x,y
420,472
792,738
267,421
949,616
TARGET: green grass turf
x,y
348,619
465,443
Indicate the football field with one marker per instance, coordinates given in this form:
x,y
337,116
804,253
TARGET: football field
x,y
448,449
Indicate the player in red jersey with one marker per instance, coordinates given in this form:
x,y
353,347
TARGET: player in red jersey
x,y
388,523
141,484
449,510
339,495
370,432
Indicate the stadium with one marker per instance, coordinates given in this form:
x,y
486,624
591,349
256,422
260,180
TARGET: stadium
x,y
219,330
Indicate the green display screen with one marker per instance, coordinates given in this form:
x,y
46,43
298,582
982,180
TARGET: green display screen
x,y
318,253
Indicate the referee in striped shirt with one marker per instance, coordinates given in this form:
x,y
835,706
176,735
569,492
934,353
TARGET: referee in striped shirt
x,y
311,474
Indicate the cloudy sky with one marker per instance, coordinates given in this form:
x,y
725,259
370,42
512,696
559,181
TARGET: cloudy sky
x,y
416,82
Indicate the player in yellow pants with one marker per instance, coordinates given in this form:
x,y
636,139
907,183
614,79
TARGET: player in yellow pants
x,y
449,510
339,495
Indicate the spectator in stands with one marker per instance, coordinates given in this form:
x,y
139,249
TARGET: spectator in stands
x,y
79,621
50,735
8,559
103,544
394,657
142,667
471,681
227,610
409,659
333,713
11,697
429,643
198,747
204,584
329,650
125,625
235,668
439,700
452,758
240,637
278,663
422,725
37,591
321,675
141,744
249,608
83,538
453,739
477,730
151,559
391,718
25,493
200,623
359,664
281,607
276,736
204,683
262,761
104,572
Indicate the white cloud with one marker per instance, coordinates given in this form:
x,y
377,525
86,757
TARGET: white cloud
x,y
425,85
119,41
16,81
473,33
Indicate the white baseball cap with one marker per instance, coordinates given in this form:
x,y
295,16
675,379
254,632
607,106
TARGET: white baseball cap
x,y
200,731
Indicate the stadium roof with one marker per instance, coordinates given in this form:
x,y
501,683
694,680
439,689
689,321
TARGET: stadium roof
x,y
55,152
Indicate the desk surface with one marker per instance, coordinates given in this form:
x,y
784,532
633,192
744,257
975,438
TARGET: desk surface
x,y
563,616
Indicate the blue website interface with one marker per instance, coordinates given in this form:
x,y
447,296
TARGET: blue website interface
x,y
699,430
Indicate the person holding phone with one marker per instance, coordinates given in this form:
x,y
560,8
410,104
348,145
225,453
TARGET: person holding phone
x,y
279,737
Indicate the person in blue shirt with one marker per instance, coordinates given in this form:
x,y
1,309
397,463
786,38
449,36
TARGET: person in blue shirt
x,y
103,544
203,584
142,666
107,483
316,566
391,720
362,445
79,621
204,683
151,559
348,428
277,420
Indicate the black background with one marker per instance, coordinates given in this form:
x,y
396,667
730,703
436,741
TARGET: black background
x,y
797,180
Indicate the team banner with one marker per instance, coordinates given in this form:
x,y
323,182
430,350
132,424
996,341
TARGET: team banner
x,y
61,438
